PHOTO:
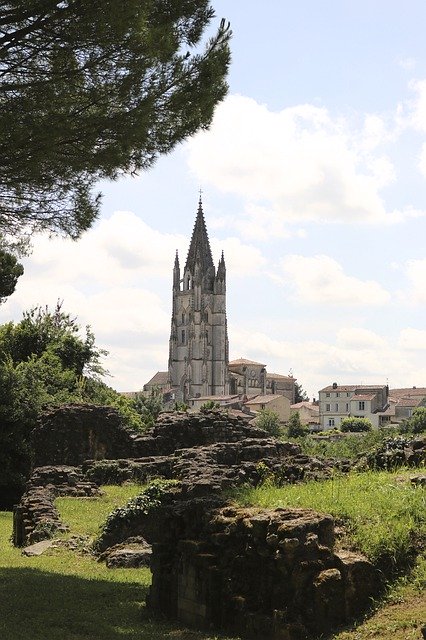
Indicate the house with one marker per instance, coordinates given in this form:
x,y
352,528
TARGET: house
x,y
337,402
277,403
402,403
309,414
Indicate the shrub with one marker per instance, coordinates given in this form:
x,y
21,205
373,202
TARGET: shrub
x,y
355,425
269,421
295,428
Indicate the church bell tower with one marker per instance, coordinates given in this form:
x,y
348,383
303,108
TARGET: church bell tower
x,y
198,348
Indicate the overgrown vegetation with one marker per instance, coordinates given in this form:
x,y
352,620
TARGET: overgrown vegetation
x,y
269,421
417,422
349,446
355,425
383,514
295,428
46,359
122,517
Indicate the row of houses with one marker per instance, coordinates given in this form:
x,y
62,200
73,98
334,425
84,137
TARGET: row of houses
x,y
254,390
379,404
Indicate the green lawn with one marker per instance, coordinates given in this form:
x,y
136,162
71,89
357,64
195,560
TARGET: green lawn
x,y
62,595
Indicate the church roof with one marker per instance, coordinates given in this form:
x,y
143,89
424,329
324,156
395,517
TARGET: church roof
x,y
160,379
200,244
240,361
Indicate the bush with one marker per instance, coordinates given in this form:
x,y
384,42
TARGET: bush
x,y
355,425
269,421
295,429
417,422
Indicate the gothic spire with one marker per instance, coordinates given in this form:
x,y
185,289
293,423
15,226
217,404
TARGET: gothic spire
x,y
221,269
200,245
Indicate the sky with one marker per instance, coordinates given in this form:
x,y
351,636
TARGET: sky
x,y
313,179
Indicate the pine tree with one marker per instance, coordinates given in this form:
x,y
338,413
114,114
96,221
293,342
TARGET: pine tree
x,y
95,89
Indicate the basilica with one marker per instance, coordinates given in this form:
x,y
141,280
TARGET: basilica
x,y
199,366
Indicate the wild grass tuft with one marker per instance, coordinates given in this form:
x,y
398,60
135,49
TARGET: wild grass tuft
x,y
384,515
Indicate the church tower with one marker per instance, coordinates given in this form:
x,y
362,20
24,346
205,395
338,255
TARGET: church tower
x,y
198,349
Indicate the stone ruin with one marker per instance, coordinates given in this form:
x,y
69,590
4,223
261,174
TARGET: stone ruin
x,y
259,573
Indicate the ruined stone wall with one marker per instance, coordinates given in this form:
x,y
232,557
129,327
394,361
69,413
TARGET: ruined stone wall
x,y
70,434
36,517
258,573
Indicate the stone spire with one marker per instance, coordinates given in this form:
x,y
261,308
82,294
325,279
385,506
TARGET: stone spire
x,y
200,245
176,273
221,269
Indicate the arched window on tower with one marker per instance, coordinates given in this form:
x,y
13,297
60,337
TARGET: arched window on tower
x,y
183,336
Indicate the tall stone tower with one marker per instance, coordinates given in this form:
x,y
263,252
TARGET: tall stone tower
x,y
198,350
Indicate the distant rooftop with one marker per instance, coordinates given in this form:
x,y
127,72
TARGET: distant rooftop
x,y
353,387
240,361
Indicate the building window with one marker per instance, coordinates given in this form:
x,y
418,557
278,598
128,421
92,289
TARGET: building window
x,y
347,406
183,337
183,318
327,407
361,405
337,406
331,422
327,395
337,394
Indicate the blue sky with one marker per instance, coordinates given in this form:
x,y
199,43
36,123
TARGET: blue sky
x,y
313,178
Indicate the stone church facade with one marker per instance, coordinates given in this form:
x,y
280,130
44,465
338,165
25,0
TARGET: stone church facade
x,y
198,347
199,364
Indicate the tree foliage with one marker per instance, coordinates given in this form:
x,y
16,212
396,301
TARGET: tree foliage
x,y
10,271
354,425
300,394
94,89
295,428
44,361
148,407
417,422
269,421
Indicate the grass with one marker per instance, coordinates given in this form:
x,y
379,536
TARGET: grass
x,y
63,595
350,446
399,616
383,514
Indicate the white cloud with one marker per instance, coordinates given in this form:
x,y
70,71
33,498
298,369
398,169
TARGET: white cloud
x,y
293,165
241,260
417,107
412,339
358,338
416,273
117,279
321,280
317,363
422,160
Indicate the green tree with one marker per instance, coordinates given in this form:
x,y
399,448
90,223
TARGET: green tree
x,y
45,361
91,90
10,271
300,394
149,406
417,422
355,424
269,421
295,428
57,332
